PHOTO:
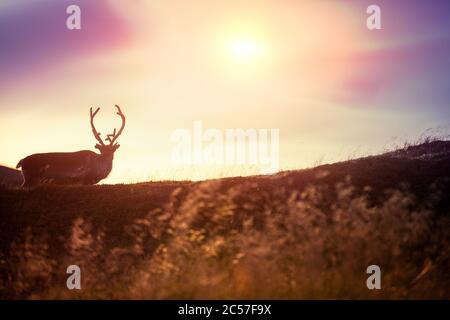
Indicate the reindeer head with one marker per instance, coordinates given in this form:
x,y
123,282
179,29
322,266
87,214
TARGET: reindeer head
x,y
107,149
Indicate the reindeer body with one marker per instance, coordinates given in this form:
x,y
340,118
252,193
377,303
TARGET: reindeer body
x,y
81,167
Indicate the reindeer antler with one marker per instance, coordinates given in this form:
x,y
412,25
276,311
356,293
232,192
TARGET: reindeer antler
x,y
113,137
94,131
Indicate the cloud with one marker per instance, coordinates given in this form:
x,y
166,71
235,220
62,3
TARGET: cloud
x,y
34,37
408,74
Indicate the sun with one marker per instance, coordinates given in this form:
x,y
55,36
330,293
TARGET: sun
x,y
243,49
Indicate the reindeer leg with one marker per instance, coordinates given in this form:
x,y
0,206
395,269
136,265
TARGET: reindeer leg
x,y
29,179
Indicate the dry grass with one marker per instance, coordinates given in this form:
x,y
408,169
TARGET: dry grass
x,y
243,242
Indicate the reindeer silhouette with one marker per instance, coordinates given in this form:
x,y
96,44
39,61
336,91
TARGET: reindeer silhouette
x,y
81,167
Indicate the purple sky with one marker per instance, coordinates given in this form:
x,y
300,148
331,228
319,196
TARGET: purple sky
x,y
32,41
33,37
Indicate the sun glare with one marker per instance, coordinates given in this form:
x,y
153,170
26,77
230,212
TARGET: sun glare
x,y
243,49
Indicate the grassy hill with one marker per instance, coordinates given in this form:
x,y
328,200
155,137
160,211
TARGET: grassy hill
x,y
298,234
10,177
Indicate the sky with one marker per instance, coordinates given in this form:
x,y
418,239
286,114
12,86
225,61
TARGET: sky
x,y
312,69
